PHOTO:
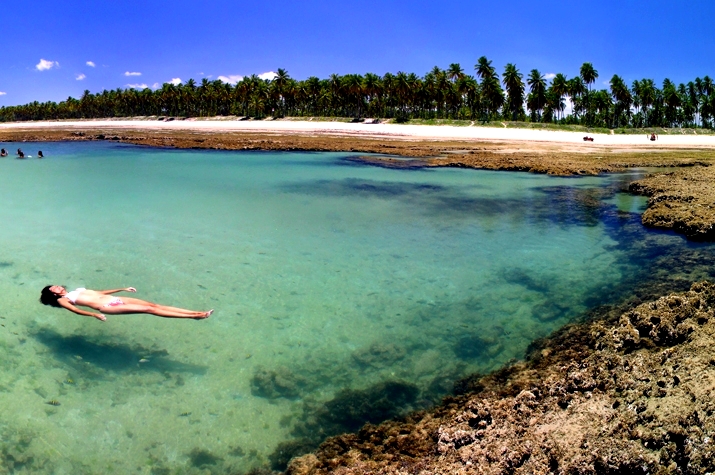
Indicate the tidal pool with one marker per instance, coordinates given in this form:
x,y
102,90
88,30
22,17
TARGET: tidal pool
x,y
344,293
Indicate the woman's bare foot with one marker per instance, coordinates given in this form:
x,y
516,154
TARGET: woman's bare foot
x,y
204,315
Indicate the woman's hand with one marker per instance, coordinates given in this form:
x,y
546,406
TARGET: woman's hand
x,y
99,316
130,289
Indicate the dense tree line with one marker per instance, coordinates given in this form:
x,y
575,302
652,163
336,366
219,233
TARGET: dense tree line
x,y
441,94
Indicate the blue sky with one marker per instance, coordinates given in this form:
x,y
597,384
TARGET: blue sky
x,y
165,40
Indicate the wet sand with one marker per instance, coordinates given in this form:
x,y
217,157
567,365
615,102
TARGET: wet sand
x,y
627,391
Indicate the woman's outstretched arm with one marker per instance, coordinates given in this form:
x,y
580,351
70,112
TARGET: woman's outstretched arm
x,y
114,291
66,304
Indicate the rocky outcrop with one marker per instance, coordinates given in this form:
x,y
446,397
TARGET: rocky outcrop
x,y
682,200
633,394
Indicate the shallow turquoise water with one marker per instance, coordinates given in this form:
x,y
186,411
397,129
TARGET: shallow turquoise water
x,y
325,276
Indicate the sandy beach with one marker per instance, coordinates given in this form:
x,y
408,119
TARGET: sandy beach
x,y
370,130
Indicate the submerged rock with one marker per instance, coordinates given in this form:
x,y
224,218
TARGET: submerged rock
x,y
474,347
629,393
379,355
277,383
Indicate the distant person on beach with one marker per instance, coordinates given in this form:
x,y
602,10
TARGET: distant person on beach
x,y
103,302
3,153
20,153
39,154
653,137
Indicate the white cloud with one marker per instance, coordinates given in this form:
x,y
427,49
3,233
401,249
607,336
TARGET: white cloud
x,y
175,81
232,79
80,77
549,76
130,73
2,93
269,75
156,85
136,86
91,64
44,65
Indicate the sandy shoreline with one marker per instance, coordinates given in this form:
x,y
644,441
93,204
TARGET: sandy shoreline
x,y
394,131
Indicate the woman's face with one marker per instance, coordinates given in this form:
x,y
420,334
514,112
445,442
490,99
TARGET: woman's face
x,y
58,290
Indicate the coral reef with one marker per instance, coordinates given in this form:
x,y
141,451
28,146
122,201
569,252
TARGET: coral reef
x,y
630,392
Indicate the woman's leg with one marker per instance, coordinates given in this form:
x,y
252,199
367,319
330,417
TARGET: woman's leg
x,y
166,308
153,309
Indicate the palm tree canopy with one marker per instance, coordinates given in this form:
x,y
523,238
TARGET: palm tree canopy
x,y
588,74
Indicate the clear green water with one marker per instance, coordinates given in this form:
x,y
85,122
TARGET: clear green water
x,y
325,276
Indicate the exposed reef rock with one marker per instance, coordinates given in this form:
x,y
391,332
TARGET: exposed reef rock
x,y
624,394
682,200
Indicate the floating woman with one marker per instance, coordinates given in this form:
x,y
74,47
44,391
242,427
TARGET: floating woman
x,y
20,153
102,301
3,153
39,154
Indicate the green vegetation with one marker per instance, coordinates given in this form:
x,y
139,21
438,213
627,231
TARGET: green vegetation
x,y
440,97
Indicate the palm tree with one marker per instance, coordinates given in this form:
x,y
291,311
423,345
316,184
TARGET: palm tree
x,y
536,100
484,68
491,91
455,72
514,85
623,97
559,87
372,87
602,103
469,90
671,101
403,93
588,74
576,91
336,86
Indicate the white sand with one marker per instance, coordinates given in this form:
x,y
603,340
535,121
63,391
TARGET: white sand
x,y
403,131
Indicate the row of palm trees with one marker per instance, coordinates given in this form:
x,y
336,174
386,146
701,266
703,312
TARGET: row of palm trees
x,y
440,94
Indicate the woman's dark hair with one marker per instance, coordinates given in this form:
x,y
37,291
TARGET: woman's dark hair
x,y
48,297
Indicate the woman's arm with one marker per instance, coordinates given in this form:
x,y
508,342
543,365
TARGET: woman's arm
x,y
114,291
66,304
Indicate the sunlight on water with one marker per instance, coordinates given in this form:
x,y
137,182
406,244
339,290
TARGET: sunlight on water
x,y
325,275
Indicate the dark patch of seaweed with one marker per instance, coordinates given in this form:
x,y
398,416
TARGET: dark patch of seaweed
x,y
86,355
348,411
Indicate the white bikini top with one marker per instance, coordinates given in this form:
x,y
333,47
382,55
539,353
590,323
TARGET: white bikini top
x,y
72,296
